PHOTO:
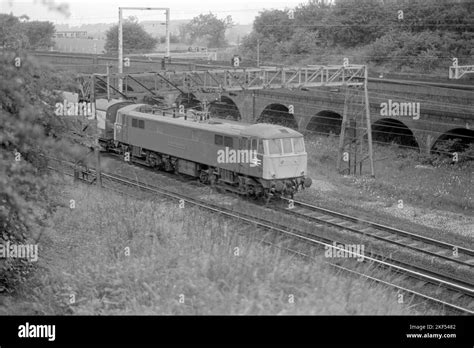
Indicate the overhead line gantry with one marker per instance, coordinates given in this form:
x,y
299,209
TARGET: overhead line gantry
x,y
227,80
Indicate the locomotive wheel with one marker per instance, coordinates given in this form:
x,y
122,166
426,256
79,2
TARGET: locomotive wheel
x,y
213,179
204,177
168,166
267,196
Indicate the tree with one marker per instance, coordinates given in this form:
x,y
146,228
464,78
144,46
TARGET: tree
x,y
183,33
18,33
358,22
173,38
28,128
274,25
135,38
315,21
40,34
208,28
422,15
12,34
305,41
430,33
279,35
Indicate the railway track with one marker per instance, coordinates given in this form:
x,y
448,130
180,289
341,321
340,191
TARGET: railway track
x,y
458,257
447,291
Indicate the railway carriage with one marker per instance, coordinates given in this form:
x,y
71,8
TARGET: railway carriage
x,y
106,114
250,159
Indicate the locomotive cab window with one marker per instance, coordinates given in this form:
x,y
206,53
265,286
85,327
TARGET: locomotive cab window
x,y
141,124
228,142
274,146
134,122
254,144
219,139
287,146
260,147
244,143
298,144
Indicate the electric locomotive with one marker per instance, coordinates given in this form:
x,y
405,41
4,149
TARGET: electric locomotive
x,y
259,160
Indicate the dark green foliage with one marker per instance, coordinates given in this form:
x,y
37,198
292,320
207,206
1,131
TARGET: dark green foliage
x,y
40,34
206,29
17,33
274,25
426,35
406,49
11,35
135,38
443,152
357,22
28,128
173,38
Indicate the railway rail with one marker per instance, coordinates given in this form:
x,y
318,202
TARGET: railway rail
x,y
456,255
445,290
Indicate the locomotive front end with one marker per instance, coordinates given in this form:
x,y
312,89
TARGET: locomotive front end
x,y
285,164
282,157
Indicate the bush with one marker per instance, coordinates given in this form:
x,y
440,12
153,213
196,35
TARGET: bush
x,y
27,128
304,41
429,35
425,51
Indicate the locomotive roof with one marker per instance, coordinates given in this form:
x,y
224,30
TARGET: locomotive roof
x,y
269,131
259,130
103,104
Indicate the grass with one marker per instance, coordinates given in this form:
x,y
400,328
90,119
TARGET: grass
x,y
180,261
425,191
398,177
257,210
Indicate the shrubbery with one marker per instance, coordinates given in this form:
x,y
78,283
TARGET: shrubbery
x,y
405,49
18,32
28,128
424,37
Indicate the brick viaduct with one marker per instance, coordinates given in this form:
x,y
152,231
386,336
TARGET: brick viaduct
x,y
443,111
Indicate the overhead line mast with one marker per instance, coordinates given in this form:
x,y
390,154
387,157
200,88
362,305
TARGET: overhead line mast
x,y
120,35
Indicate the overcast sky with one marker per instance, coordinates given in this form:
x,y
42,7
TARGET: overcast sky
x,y
106,11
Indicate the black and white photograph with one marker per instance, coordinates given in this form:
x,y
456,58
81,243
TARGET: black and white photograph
x,y
250,172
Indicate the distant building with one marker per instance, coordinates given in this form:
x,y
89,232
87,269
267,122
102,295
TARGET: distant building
x,y
70,34
75,45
